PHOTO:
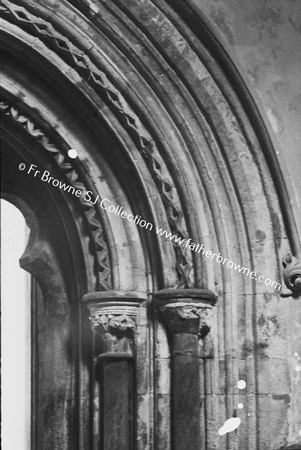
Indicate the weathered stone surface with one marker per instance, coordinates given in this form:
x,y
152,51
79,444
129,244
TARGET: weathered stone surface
x,y
185,318
166,127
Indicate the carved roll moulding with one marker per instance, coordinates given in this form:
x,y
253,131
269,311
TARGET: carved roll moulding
x,y
187,316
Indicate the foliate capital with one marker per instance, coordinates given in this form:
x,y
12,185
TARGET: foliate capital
x,y
114,318
113,312
186,310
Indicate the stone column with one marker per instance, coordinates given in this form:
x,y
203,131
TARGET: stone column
x,y
186,315
113,317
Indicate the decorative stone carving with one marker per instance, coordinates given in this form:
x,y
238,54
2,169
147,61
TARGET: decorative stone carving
x,y
96,232
186,314
186,310
115,324
113,317
78,59
177,315
292,274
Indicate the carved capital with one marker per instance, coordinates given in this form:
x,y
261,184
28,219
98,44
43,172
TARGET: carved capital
x,y
113,317
116,318
292,273
186,310
187,317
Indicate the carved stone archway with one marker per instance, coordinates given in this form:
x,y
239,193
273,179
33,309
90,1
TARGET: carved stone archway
x,y
165,128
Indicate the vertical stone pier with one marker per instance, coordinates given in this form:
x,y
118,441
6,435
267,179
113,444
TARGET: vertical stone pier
x,y
113,317
186,314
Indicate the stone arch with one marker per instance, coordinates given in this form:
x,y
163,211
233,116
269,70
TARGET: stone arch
x,y
145,93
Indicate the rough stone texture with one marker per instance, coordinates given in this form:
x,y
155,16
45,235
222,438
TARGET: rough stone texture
x,y
160,130
115,399
264,39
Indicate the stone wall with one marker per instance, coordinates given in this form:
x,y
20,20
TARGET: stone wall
x,y
164,127
263,37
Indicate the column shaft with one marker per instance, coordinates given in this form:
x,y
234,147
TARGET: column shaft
x,y
116,380
113,317
185,392
186,314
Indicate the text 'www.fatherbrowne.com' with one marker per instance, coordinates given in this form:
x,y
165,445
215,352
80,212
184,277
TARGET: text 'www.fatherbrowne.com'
x,y
199,248
105,203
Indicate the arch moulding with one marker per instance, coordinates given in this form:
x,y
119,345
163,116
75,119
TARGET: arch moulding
x,y
164,128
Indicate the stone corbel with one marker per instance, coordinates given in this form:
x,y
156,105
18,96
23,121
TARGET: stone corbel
x,y
292,274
